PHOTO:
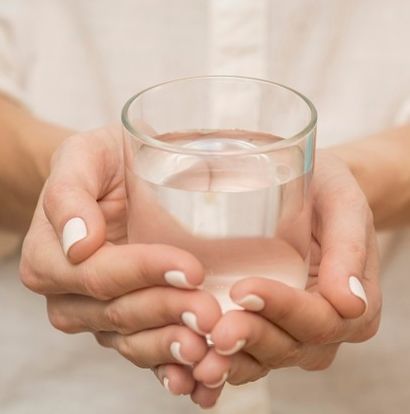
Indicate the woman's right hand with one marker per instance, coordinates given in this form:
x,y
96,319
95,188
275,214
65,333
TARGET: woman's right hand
x,y
132,297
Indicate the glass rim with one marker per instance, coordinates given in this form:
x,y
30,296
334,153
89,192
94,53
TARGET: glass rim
x,y
156,143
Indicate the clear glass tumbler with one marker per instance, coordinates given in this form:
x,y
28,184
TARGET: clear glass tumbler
x,y
221,166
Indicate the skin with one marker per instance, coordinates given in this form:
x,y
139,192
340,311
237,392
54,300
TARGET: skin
x,y
104,285
380,164
27,144
305,328
91,290
95,291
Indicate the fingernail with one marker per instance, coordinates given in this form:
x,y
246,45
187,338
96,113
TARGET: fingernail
x,y
209,340
238,346
251,303
178,279
219,383
357,289
165,382
191,321
74,230
175,349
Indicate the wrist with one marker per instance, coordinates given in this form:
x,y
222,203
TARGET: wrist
x,y
381,166
27,144
40,139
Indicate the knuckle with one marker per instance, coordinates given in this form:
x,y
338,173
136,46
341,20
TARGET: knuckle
x,y
100,340
59,320
320,363
290,358
325,336
125,348
93,284
28,276
370,331
116,318
373,328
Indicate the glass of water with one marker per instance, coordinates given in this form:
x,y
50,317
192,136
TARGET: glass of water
x,y
221,166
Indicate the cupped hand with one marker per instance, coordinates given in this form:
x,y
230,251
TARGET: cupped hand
x,y
134,298
284,326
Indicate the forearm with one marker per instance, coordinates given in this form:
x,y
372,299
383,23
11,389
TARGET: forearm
x,y
26,146
381,164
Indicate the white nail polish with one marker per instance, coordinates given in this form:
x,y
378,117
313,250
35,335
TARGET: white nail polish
x,y
165,382
178,279
209,340
74,230
252,303
191,321
219,383
357,289
175,349
237,347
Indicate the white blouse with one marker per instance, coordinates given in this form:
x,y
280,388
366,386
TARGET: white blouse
x,y
76,62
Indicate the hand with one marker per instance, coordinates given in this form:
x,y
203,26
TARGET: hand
x,y
290,327
125,294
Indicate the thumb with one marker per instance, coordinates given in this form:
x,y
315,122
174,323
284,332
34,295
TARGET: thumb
x,y
344,239
70,197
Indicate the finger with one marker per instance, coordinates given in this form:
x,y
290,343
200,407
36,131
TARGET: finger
x,y
205,397
176,379
367,326
344,221
317,358
140,310
245,368
214,369
110,272
268,344
306,316
148,349
84,169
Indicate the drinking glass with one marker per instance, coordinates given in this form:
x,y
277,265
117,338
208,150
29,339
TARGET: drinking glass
x,y
221,166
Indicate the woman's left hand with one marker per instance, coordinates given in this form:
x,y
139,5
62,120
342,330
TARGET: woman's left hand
x,y
285,326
